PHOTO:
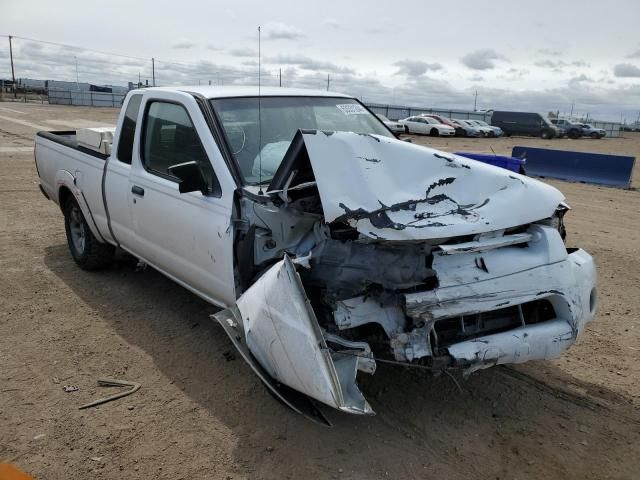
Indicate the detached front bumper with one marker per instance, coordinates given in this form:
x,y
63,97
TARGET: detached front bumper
x,y
480,282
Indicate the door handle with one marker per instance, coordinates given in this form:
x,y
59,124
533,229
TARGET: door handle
x,y
136,190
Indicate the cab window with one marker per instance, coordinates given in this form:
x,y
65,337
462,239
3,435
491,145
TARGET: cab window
x,y
128,130
170,138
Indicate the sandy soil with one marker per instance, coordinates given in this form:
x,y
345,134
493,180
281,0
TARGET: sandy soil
x,y
201,413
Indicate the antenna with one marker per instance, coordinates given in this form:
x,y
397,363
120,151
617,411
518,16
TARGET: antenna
x,y
259,121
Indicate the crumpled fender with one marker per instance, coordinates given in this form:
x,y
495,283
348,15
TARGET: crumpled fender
x,y
282,333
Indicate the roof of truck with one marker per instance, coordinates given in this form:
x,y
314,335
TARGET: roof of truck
x,y
252,91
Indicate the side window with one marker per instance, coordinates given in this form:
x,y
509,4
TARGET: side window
x,y
169,139
127,133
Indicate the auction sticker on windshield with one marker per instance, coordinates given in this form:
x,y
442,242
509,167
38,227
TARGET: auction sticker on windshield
x,y
352,109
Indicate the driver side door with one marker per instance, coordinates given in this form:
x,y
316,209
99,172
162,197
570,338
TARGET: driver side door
x,y
186,236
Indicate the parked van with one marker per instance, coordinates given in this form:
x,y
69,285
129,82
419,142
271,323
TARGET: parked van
x,y
524,123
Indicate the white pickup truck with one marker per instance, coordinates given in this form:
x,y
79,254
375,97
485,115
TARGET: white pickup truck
x,y
329,244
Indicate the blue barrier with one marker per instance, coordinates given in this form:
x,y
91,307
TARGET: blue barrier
x,y
596,168
510,163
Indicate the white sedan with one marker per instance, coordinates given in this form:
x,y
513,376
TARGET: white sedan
x,y
427,126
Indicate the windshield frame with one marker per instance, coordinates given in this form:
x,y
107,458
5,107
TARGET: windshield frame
x,y
227,145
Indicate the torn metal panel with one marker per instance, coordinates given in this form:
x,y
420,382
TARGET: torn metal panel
x,y
353,312
544,248
283,335
412,192
231,321
481,245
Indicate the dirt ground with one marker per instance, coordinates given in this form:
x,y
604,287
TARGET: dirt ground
x,y
202,414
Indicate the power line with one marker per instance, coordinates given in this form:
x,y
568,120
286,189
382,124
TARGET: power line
x,y
75,46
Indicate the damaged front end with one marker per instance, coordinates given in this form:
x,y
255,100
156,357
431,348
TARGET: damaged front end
x,y
367,248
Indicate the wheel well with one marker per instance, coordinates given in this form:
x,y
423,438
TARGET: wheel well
x,y
63,195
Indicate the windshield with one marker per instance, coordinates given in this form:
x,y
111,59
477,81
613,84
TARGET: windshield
x,y
481,123
382,117
281,118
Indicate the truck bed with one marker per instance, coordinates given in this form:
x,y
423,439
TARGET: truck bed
x,y
68,138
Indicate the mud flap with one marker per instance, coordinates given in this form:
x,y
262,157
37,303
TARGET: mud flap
x,y
274,326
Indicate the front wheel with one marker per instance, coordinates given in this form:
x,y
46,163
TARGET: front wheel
x,y
595,135
434,132
86,250
545,135
406,130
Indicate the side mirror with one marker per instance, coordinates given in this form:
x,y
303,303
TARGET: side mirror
x,y
190,176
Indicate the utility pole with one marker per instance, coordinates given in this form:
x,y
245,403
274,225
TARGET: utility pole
x,y
475,101
153,70
571,114
77,81
328,81
13,73
281,77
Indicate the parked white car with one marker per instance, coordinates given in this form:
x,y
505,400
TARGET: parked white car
x,y
329,244
427,126
395,127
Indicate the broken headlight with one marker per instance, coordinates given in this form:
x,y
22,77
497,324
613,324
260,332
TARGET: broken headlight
x,y
557,221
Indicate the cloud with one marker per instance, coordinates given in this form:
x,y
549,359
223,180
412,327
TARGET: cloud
x,y
243,52
379,30
213,47
307,63
635,54
550,51
580,78
626,70
483,59
476,78
333,23
560,64
183,44
414,68
280,31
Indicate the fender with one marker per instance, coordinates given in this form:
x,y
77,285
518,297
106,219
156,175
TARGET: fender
x,y
64,178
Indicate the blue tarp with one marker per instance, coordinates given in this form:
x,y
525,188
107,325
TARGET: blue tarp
x,y
596,168
510,163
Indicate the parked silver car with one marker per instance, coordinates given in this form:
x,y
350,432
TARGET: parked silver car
x,y
494,131
392,125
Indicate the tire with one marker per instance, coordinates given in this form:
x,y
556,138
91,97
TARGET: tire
x,y
86,250
434,132
406,130
545,135
595,135
574,134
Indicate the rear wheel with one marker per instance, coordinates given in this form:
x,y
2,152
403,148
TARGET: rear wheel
x,y
86,250
574,134
434,132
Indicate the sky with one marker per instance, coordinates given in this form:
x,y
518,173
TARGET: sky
x,y
532,56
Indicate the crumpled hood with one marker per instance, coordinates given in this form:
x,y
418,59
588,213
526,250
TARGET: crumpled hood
x,y
390,189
